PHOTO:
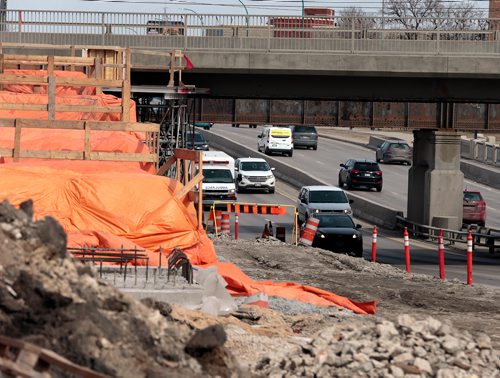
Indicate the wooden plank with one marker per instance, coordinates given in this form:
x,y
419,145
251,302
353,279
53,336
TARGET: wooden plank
x,y
9,122
186,172
94,125
17,143
88,82
33,107
22,79
89,108
126,88
98,73
123,156
184,153
52,154
7,152
165,167
42,59
51,91
190,185
86,154
46,124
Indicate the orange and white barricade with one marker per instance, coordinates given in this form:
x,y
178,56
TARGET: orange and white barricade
x,y
309,232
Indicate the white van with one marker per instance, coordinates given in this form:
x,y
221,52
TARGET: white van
x,y
218,177
275,139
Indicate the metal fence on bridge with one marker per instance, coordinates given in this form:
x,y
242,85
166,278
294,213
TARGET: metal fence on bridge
x,y
357,35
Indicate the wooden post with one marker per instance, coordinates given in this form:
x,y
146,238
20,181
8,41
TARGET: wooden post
x,y
172,69
98,73
51,90
72,53
86,145
126,89
17,141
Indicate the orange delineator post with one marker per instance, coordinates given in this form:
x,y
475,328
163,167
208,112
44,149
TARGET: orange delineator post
x,y
407,249
374,244
441,254
236,226
469,258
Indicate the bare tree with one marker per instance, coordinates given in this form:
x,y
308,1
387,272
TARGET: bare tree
x,y
433,14
356,17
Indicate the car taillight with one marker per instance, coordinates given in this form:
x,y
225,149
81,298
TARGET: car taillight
x,y
378,173
355,171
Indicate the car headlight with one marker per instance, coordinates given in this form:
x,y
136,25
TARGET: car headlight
x,y
269,177
322,236
231,190
347,211
316,211
354,236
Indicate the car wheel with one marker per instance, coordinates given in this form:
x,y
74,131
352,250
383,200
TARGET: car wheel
x,y
237,125
237,187
379,188
378,160
271,190
349,183
233,125
315,148
266,151
481,223
341,184
290,153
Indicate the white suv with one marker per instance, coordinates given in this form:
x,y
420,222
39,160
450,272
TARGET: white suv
x,y
254,173
322,198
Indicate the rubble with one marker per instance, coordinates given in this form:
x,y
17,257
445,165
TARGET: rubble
x,y
368,347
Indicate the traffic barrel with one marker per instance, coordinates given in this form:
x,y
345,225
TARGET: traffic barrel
x,y
309,232
236,226
469,258
217,220
225,225
407,250
374,244
441,254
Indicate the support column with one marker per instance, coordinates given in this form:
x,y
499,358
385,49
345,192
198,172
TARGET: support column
x,y
435,182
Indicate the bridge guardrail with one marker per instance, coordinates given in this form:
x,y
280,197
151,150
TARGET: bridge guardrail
x,y
481,236
252,32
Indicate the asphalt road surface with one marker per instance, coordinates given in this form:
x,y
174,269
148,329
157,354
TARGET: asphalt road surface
x,y
324,164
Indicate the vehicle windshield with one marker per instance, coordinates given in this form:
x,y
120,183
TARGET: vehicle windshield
x,y
211,176
304,129
255,166
471,196
327,196
340,221
366,166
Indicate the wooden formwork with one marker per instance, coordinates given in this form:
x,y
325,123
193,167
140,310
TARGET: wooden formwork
x,y
189,171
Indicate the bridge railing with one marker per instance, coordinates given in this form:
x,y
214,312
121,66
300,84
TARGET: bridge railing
x,y
253,32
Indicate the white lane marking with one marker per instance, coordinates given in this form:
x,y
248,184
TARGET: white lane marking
x,y
320,162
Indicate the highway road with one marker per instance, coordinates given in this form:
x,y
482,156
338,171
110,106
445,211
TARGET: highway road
x,y
324,164
390,244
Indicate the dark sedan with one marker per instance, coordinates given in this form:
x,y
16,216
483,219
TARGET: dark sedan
x,y
197,141
338,233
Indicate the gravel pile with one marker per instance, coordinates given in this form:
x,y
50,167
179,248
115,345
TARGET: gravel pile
x,y
380,348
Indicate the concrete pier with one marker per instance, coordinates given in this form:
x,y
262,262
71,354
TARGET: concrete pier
x,y
435,182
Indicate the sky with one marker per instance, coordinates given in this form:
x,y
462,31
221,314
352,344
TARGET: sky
x,y
254,7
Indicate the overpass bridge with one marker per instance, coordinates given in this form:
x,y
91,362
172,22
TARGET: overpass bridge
x,y
340,59
278,57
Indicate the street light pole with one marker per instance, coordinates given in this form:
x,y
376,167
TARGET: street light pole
x,y
246,10
201,18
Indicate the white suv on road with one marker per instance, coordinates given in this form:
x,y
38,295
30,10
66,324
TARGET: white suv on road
x,y
321,198
254,173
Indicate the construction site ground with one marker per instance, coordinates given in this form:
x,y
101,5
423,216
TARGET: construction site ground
x,y
472,308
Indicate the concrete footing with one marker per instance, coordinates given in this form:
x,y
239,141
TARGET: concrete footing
x,y
435,182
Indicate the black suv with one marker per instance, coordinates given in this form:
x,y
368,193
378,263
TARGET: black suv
x,y
305,136
356,172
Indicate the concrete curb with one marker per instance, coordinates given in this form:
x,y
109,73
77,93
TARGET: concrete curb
x,y
362,208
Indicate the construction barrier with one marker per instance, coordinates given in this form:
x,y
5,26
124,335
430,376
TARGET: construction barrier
x,y
258,209
309,232
225,226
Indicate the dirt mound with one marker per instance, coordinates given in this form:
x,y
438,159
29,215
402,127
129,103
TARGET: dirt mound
x,y
52,301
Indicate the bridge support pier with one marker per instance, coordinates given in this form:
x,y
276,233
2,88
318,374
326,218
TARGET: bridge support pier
x,y
435,182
